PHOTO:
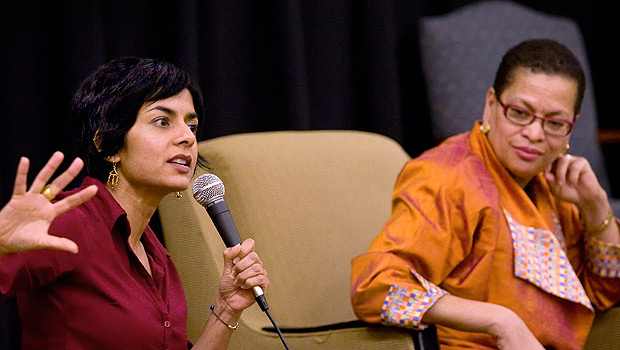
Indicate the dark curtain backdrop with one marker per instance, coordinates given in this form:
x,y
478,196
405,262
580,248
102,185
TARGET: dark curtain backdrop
x,y
262,65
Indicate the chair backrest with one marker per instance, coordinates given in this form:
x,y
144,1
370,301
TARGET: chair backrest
x,y
312,201
460,55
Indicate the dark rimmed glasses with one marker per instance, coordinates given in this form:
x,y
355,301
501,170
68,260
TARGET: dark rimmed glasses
x,y
523,117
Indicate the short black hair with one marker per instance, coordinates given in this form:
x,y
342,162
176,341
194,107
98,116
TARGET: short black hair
x,y
541,56
107,104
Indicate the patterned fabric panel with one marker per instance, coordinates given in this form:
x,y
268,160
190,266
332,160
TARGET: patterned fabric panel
x,y
540,260
603,258
559,234
404,307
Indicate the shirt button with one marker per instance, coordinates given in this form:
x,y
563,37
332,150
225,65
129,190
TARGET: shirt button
x,y
167,324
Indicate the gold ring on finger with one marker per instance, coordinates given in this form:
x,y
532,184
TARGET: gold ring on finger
x,y
47,192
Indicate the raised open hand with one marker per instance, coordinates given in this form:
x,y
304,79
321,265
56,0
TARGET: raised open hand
x,y
26,218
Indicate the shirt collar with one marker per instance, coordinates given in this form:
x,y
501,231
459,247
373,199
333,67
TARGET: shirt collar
x,y
111,212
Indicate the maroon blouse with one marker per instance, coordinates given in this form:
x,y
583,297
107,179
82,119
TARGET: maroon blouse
x,y
102,297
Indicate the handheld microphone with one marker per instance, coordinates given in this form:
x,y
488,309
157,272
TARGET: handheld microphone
x,y
209,191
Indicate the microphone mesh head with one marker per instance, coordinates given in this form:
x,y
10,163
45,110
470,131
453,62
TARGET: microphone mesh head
x,y
208,188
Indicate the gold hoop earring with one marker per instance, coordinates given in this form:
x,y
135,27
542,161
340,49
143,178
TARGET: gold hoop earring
x,y
566,148
113,176
178,194
485,127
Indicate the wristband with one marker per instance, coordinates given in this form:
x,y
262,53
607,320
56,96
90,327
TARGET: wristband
x,y
218,317
605,223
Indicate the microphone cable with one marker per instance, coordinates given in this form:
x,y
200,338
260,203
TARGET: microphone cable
x,y
262,302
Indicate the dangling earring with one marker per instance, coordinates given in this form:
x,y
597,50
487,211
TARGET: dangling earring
x,y
113,176
566,148
178,194
485,127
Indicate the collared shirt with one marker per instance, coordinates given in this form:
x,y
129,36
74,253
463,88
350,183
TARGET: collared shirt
x,y
102,297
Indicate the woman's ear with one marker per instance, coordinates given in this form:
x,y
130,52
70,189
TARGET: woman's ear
x,y
97,141
490,101
113,159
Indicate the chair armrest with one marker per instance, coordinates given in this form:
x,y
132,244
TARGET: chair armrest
x,y
425,339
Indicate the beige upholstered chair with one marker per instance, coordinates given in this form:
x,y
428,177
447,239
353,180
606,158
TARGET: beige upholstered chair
x,y
312,200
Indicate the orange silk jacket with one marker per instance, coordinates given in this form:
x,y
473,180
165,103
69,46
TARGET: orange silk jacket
x,y
460,224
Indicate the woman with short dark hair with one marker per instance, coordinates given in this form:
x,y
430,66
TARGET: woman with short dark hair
x,y
137,121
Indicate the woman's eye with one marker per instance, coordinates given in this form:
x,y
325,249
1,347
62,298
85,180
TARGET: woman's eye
x,y
162,121
520,114
557,125
193,127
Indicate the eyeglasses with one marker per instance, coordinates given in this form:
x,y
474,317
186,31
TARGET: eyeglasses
x,y
521,116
